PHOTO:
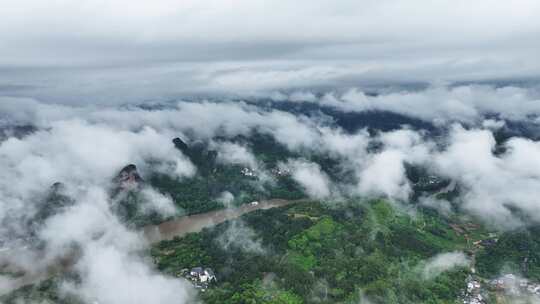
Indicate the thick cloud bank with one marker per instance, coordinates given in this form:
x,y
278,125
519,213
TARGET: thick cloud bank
x,y
439,104
84,147
124,50
85,157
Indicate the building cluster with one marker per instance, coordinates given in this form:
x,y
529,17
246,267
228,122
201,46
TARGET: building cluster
x,y
507,285
248,172
281,171
278,171
474,293
512,285
200,277
485,242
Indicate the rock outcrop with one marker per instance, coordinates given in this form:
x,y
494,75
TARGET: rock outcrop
x,y
128,178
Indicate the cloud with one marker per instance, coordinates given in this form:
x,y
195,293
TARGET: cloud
x,y
493,184
226,198
241,237
131,134
310,176
493,124
441,103
111,268
385,176
444,262
85,146
173,30
442,206
85,156
78,153
109,275
337,143
135,135
231,153
154,201
165,48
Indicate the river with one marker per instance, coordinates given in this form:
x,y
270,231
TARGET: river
x,y
153,234
196,222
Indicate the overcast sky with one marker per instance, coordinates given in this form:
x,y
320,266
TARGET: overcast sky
x,y
106,51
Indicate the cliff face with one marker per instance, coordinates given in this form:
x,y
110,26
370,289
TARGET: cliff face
x,y
181,145
128,199
128,178
198,153
17,131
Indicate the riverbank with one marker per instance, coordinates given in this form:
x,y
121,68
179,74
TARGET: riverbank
x,y
196,222
153,234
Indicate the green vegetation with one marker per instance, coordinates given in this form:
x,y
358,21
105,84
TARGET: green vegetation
x,y
199,194
306,245
46,292
339,252
318,253
514,252
254,293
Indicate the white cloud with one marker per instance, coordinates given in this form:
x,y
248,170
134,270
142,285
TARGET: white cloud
x,y
226,198
85,146
112,276
385,176
76,152
173,30
444,262
493,124
310,176
440,103
123,50
120,136
492,183
154,201
231,153
240,236
85,156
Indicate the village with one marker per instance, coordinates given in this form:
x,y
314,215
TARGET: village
x,y
278,171
508,285
201,278
477,288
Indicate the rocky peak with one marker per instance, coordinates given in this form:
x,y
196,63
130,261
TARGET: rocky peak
x,y
128,178
198,153
181,145
57,187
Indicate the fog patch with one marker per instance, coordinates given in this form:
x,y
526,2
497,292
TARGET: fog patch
x,y
385,176
440,103
231,153
154,201
226,198
309,175
444,262
239,236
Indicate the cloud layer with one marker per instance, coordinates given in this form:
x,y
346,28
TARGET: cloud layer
x,y
121,50
85,146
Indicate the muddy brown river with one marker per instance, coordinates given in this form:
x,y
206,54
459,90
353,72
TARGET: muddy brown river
x,y
155,233
195,223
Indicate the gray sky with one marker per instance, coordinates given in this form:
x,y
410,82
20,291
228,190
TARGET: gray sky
x,y
121,50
